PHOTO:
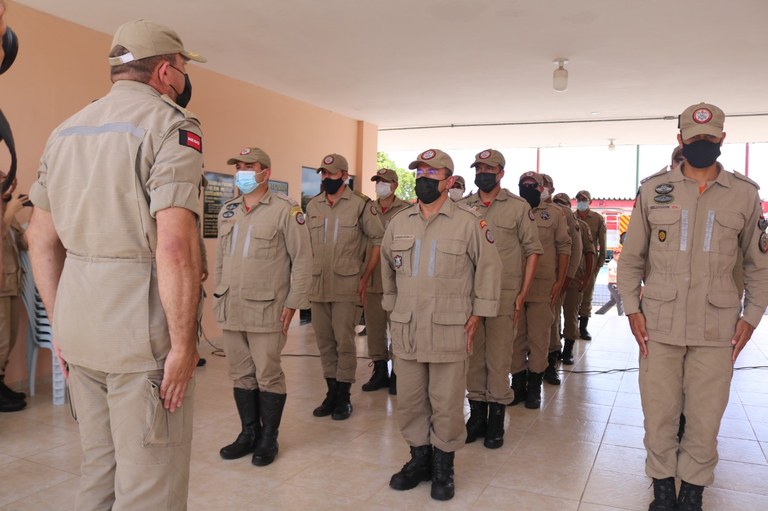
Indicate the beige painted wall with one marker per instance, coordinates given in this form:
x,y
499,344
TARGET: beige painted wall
x,y
62,66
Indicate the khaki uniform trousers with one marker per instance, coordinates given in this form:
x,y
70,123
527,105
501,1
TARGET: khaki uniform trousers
x,y
529,350
376,319
334,324
9,328
488,374
430,403
571,303
254,360
135,453
554,336
695,381
585,309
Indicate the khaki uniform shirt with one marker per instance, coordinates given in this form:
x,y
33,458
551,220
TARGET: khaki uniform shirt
x,y
688,242
596,224
340,235
577,248
263,263
588,247
13,243
104,174
436,274
554,238
516,237
374,285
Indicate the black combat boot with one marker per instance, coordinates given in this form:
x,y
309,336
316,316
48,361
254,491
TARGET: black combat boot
x,y
583,322
690,498
247,402
417,470
379,377
494,436
663,495
550,373
519,387
343,408
6,405
478,420
392,383
533,401
271,411
329,403
568,352
8,393
442,475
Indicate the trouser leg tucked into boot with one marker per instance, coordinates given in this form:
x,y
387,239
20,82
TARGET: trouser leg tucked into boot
x,y
583,333
663,495
329,403
519,387
568,352
494,437
533,400
690,498
271,411
379,377
550,373
442,475
247,402
417,470
343,408
478,420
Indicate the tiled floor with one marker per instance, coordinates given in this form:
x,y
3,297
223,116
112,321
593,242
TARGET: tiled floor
x,y
581,451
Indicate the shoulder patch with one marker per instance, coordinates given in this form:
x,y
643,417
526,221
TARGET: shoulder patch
x,y
189,139
742,177
659,173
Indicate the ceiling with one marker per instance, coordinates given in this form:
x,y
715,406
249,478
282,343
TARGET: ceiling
x,y
416,63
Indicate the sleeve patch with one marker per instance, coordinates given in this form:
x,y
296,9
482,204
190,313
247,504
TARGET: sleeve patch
x,y
489,236
189,139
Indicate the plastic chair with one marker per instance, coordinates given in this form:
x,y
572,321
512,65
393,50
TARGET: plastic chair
x,y
39,333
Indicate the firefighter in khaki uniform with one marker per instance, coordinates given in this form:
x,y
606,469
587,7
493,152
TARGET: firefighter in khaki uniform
x,y
531,344
550,373
341,224
441,274
684,235
387,206
517,241
596,224
128,259
262,275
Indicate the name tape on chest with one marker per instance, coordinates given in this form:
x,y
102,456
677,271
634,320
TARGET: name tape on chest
x,y
189,139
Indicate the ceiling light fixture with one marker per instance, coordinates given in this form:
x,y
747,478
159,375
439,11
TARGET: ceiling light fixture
x,y
560,76
611,145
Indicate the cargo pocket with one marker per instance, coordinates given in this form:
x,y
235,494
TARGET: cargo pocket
x,y
448,334
220,303
451,259
722,314
400,328
347,275
258,305
161,427
659,308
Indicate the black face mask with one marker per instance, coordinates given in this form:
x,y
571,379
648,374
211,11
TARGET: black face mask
x,y
427,190
331,186
185,96
702,153
530,194
486,182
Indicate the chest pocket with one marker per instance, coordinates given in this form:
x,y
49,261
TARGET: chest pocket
x,y
225,237
402,256
450,259
507,240
263,243
725,235
665,229
317,230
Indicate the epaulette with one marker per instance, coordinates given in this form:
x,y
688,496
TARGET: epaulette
x,y
469,209
361,195
186,113
286,198
742,177
659,173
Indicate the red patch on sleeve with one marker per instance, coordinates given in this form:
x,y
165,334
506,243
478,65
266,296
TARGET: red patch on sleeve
x,y
189,139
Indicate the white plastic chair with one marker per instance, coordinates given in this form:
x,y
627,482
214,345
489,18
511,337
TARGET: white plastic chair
x,y
39,333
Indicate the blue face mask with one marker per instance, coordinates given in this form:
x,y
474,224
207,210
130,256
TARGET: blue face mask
x,y
582,205
245,180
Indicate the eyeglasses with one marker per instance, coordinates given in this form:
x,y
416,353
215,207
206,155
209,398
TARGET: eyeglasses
x,y
427,172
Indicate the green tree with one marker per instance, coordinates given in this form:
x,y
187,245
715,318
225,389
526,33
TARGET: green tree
x,y
406,178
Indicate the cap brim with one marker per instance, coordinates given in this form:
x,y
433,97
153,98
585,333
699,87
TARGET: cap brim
x,y
191,55
415,164
700,130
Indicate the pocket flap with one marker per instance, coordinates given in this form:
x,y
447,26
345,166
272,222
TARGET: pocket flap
x,y
220,291
401,244
225,228
400,316
455,247
729,219
263,232
346,267
260,295
723,299
664,216
448,318
663,294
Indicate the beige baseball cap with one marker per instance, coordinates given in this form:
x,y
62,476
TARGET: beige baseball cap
x,y
547,180
562,198
583,194
459,180
490,157
252,155
701,119
532,175
388,175
334,164
435,158
143,38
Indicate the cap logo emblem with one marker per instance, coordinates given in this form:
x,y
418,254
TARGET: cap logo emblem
x,y
245,151
485,155
382,171
328,160
702,116
428,154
